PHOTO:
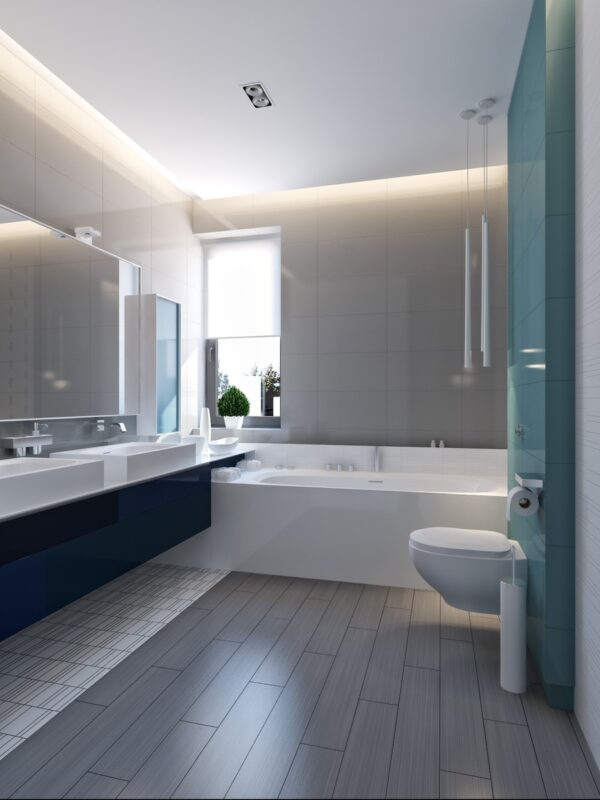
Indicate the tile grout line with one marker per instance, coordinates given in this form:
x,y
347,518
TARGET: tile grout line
x,y
480,693
362,685
274,705
333,658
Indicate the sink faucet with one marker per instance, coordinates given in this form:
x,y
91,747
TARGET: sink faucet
x,y
120,425
376,458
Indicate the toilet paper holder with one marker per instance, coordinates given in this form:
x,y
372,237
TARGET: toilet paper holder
x,y
530,480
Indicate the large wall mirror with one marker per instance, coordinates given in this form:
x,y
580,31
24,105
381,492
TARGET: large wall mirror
x,y
69,325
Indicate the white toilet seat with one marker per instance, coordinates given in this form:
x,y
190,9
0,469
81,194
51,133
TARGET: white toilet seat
x,y
459,542
467,566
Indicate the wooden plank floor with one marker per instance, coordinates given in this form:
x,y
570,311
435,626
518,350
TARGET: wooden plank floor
x,y
280,687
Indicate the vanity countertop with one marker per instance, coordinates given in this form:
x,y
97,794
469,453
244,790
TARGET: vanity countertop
x,y
241,451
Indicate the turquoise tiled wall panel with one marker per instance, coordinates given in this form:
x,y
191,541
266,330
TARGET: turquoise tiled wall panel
x,y
541,198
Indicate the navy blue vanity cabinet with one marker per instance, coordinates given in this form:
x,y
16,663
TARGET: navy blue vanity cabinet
x,y
51,557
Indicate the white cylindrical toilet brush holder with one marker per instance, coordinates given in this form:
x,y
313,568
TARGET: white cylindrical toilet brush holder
x,y
513,636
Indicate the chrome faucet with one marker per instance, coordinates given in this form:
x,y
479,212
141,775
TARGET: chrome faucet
x,y
38,427
376,465
120,425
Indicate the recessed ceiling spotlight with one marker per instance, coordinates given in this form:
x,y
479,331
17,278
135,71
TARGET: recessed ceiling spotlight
x,y
257,95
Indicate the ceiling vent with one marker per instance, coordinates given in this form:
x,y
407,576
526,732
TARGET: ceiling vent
x,y
257,95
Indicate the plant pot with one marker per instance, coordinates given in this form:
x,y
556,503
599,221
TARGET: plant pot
x,y
233,423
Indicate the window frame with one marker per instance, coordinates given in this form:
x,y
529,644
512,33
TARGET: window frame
x,y
212,380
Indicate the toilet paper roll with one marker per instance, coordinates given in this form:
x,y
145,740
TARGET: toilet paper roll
x,y
522,501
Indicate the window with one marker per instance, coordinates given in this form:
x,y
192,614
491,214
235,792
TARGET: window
x,y
243,324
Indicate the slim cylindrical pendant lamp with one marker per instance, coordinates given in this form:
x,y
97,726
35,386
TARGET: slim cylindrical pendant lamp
x,y
467,115
486,349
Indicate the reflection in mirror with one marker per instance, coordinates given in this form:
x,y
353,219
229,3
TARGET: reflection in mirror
x,y
69,340
167,365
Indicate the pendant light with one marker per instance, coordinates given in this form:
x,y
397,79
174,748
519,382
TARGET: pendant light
x,y
467,115
484,120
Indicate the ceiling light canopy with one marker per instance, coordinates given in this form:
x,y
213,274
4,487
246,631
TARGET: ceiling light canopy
x,y
257,95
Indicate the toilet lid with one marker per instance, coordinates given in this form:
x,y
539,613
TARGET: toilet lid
x,y
459,541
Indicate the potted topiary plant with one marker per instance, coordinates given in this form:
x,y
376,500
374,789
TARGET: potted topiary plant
x,y
233,406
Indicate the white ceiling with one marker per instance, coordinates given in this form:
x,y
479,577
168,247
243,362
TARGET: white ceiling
x,y
362,89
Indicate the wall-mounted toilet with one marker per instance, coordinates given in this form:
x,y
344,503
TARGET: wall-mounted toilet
x,y
466,566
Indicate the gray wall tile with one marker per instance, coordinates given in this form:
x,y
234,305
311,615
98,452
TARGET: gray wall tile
x,y
373,282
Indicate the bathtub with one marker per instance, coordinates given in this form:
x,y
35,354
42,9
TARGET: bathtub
x,y
311,522
379,481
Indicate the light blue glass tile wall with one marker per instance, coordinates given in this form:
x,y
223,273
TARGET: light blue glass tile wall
x,y
541,197
167,365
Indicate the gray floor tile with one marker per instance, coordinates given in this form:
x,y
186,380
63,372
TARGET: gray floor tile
x,y
157,722
384,674
585,748
313,773
96,786
265,769
369,608
67,766
213,772
456,787
8,743
561,759
244,622
22,721
364,770
214,703
131,750
496,703
218,593
324,590
423,648
332,628
400,598
281,661
332,719
254,583
414,770
462,733
170,762
51,696
293,597
122,676
196,638
27,759
455,623
513,763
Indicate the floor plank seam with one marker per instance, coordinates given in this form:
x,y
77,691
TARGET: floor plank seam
x,y
362,686
480,693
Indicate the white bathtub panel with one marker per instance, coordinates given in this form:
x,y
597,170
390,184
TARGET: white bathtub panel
x,y
341,535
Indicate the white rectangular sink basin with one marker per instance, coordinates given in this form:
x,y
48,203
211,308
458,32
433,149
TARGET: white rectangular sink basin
x,y
136,461
26,483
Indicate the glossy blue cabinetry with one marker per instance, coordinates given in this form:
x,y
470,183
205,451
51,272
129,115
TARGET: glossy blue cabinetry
x,y
52,557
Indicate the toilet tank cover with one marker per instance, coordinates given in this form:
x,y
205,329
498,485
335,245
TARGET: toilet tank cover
x,y
461,541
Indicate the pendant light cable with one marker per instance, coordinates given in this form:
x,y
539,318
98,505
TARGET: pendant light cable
x,y
467,115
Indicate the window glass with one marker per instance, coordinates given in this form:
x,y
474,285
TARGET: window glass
x,y
253,365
